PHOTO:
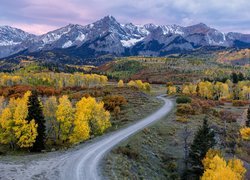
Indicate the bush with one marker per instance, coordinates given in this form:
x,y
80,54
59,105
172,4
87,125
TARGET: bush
x,y
203,106
183,100
111,102
228,116
181,119
239,103
185,109
128,151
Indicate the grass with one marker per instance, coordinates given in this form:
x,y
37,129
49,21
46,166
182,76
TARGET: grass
x,y
157,152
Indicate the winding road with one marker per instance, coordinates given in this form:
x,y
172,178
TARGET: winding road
x,y
84,164
80,163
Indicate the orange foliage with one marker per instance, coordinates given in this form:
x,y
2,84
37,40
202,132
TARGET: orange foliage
x,y
111,102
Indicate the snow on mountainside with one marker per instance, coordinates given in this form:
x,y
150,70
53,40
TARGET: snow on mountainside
x,y
107,35
12,36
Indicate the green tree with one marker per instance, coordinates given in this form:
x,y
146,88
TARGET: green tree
x,y
248,117
203,141
234,78
35,113
241,77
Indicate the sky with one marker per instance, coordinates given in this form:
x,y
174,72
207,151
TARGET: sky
x,y
41,16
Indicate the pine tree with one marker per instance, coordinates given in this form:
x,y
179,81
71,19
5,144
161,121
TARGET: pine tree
x,y
203,141
234,78
241,77
248,117
36,113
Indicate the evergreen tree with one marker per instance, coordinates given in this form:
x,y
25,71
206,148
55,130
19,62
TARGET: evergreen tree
x,y
36,113
203,141
248,117
241,77
234,77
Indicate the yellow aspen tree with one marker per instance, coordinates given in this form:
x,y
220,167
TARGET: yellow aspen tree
x,y
28,134
139,84
171,90
245,133
237,167
189,89
7,135
25,132
245,93
215,167
100,119
225,91
65,118
96,115
185,90
205,89
147,86
16,130
103,80
221,90
120,84
131,83
211,153
90,117
81,130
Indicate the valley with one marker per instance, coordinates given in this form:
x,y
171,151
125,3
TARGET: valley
x,y
112,100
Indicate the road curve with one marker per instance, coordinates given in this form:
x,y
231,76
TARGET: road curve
x,y
84,163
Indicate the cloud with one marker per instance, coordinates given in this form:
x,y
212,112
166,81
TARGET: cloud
x,y
227,15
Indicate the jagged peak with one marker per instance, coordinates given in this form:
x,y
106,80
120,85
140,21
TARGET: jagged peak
x,y
201,25
109,18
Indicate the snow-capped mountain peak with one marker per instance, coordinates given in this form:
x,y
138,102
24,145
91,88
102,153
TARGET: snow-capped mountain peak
x,y
107,35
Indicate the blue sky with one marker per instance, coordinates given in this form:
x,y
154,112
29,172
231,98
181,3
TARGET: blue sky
x,y
40,16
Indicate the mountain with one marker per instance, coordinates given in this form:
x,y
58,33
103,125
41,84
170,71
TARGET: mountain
x,y
108,37
11,38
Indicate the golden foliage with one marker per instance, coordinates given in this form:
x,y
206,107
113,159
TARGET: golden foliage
x,y
120,84
53,79
171,90
189,89
65,118
205,89
140,85
217,168
245,133
14,127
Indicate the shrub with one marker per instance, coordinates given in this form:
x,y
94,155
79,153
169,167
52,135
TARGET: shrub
x,y
117,111
239,103
111,102
128,151
203,106
183,100
184,109
181,119
228,116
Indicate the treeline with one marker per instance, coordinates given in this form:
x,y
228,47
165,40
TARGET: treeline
x,y
214,90
58,80
222,76
28,123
